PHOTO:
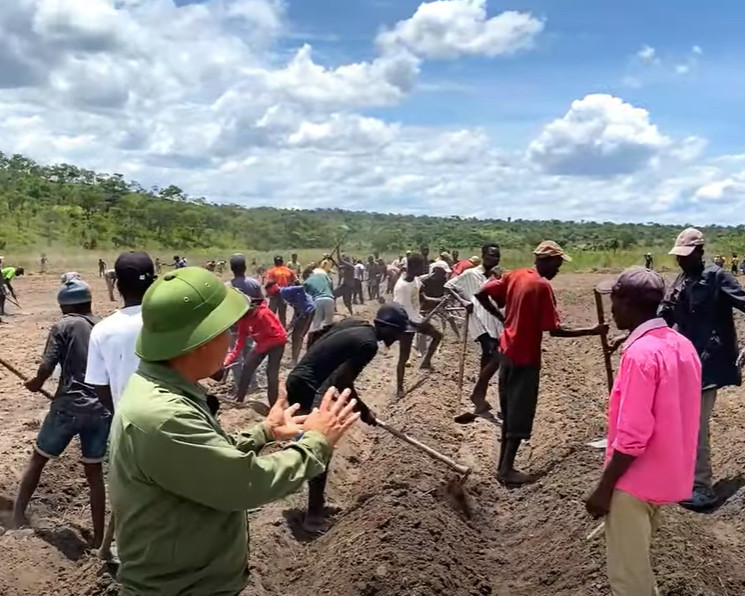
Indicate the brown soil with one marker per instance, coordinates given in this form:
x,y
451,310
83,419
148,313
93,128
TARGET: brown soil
x,y
406,527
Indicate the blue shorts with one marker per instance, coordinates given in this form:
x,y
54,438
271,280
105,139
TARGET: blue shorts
x,y
59,428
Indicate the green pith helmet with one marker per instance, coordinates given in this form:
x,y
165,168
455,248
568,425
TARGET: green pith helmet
x,y
184,310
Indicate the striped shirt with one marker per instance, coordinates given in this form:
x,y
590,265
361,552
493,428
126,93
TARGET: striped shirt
x,y
469,282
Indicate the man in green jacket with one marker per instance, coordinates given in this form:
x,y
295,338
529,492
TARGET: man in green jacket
x,y
179,485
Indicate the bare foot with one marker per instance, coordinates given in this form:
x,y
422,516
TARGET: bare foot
x,y
514,479
18,521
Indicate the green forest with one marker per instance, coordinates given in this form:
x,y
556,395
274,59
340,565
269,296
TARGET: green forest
x,y
66,206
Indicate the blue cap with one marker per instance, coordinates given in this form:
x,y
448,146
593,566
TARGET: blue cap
x,y
73,291
393,314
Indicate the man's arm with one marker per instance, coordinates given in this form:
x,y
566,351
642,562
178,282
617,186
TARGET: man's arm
x,y
222,476
49,360
345,376
485,300
104,396
96,373
562,331
731,290
12,291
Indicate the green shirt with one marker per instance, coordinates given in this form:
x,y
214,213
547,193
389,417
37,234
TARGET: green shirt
x,y
319,285
180,487
9,273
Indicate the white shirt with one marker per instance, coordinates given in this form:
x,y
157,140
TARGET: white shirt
x,y
481,321
406,293
359,271
111,351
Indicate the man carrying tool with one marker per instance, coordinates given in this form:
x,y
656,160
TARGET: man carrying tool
x,y
111,350
653,419
8,275
180,485
76,410
101,267
699,305
283,276
337,359
530,310
482,326
345,289
431,295
406,293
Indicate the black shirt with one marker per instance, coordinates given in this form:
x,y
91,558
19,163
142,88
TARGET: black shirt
x,y
351,341
67,345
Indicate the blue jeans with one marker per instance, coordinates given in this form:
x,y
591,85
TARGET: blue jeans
x,y
60,427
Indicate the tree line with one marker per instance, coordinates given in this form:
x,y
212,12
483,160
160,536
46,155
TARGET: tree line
x,y
66,206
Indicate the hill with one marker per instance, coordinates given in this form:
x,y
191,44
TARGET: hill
x,y
70,207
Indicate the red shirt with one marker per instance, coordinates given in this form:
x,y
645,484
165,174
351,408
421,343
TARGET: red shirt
x,y
530,309
461,266
264,328
283,275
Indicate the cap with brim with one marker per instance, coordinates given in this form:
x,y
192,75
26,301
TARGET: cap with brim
x,y
134,266
184,310
549,249
686,242
394,315
635,282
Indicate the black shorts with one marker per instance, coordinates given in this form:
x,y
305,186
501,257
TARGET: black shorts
x,y
518,398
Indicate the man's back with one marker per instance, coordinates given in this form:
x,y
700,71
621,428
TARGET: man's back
x,y
654,413
350,341
249,286
111,352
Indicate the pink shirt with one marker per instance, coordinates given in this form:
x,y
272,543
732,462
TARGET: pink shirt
x,y
654,413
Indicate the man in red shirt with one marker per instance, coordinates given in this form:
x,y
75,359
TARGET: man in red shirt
x,y
283,276
270,337
530,310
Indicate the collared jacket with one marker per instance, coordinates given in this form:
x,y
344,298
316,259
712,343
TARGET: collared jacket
x,y
700,307
180,487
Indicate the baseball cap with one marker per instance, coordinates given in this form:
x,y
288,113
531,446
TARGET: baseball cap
x,y
237,261
184,310
73,291
637,282
686,242
134,266
549,248
393,314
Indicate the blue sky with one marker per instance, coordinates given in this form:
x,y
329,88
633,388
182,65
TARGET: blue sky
x,y
574,108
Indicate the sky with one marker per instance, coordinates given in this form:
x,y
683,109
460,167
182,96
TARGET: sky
x,y
532,109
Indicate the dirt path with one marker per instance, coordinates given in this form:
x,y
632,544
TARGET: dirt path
x,y
401,531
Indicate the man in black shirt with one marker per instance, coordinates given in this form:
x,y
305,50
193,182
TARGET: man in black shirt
x,y
699,305
336,360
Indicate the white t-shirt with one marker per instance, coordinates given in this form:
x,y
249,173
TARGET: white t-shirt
x,y
359,271
111,351
406,293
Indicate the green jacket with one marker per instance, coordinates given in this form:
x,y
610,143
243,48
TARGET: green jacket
x,y
180,487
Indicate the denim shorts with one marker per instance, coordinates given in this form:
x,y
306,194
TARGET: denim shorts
x,y
60,427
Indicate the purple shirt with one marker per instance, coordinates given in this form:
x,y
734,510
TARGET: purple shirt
x,y
654,413
298,299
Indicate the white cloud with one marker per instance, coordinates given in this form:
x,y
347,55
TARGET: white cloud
x,y
697,50
341,132
724,191
646,54
600,135
682,69
452,28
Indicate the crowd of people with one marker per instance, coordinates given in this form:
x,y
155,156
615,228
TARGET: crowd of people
x,y
131,384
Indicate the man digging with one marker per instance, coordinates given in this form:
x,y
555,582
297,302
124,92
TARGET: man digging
x,y
337,359
530,310
180,485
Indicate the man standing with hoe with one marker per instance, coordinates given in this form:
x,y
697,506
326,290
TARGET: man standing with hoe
x,y
530,310
699,305
180,485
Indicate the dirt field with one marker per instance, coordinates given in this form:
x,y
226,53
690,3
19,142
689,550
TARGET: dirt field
x,y
400,531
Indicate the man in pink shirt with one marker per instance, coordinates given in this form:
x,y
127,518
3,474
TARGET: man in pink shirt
x,y
653,419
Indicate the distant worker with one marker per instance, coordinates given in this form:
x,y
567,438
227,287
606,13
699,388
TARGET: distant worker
x,y
210,265
110,278
43,263
319,287
164,419
648,261
733,264
101,267
461,266
158,266
8,275
220,266
178,262
359,277
719,261
699,305
69,276
295,265
345,289
283,276
653,419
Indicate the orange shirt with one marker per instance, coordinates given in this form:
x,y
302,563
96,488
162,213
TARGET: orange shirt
x,y
283,275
